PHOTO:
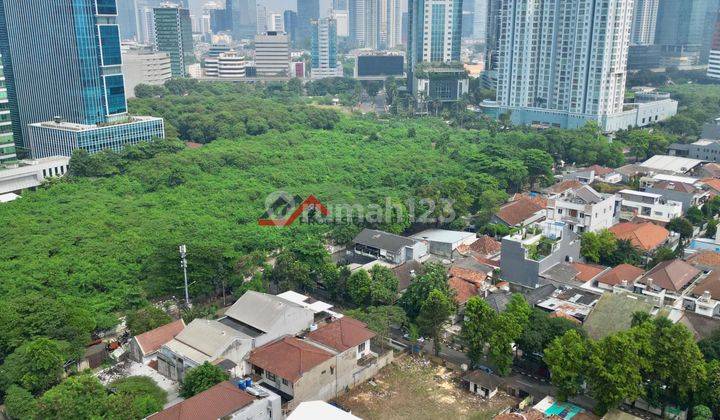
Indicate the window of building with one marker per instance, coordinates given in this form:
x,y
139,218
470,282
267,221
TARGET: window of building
x,y
271,376
285,382
361,347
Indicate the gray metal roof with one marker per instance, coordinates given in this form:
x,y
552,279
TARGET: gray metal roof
x,y
262,311
382,240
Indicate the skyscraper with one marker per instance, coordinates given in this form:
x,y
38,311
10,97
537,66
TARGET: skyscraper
x,y
80,79
435,29
173,35
307,12
714,59
685,30
290,23
563,62
324,49
356,22
262,19
375,24
127,18
272,54
7,142
276,22
243,18
644,22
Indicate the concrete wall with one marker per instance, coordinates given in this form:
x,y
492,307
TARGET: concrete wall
x,y
687,199
262,409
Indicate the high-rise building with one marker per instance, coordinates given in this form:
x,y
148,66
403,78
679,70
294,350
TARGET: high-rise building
x,y
324,50
145,67
644,22
714,59
126,18
290,24
243,18
563,63
480,19
391,24
342,24
276,22
7,142
307,12
173,35
435,28
356,22
272,54
262,18
80,80
340,5
685,30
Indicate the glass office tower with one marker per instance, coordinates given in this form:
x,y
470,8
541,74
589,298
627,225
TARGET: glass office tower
x,y
62,61
7,142
173,35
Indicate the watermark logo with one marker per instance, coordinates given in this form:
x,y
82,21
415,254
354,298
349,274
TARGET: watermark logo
x,y
283,209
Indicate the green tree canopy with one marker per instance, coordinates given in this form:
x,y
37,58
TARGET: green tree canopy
x,y
201,378
146,319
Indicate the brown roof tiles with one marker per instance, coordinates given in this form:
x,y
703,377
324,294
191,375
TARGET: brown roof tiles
x,y
342,334
646,236
622,272
217,402
671,275
288,357
152,340
518,211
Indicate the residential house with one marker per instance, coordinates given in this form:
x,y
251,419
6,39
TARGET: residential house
x,y
144,347
705,260
253,320
323,365
225,401
569,302
687,194
709,170
700,326
468,277
584,210
444,242
621,275
667,280
573,274
646,236
672,164
521,212
482,383
704,297
613,313
595,173
524,256
560,187
712,184
388,247
406,273
485,246
316,410
650,206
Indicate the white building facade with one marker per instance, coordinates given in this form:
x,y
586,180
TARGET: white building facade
x,y
560,58
648,206
145,68
644,22
584,209
272,54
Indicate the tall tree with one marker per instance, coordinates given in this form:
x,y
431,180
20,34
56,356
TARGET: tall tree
x,y
201,378
567,358
478,325
434,314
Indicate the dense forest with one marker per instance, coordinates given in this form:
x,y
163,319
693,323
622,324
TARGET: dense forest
x,y
81,251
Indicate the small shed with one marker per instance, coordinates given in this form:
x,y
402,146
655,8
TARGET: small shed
x,y
94,356
482,383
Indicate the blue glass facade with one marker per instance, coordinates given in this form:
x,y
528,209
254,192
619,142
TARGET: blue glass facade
x,y
57,59
437,31
115,94
110,45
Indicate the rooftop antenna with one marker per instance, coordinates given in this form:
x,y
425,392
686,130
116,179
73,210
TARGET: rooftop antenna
x,y
183,264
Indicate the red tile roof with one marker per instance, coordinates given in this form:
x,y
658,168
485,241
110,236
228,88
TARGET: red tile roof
x,y
676,186
713,183
342,334
671,275
562,314
622,272
705,258
646,236
711,284
152,340
600,170
471,276
217,402
464,290
587,272
518,211
484,245
288,357
563,186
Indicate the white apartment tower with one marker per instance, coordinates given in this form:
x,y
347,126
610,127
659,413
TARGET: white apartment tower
x,y
272,54
276,22
644,22
563,60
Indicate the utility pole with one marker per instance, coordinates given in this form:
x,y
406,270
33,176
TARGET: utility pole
x,y
183,264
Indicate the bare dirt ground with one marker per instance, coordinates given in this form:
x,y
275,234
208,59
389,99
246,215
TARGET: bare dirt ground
x,y
412,388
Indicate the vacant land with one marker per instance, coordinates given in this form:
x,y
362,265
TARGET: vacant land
x,y
411,388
